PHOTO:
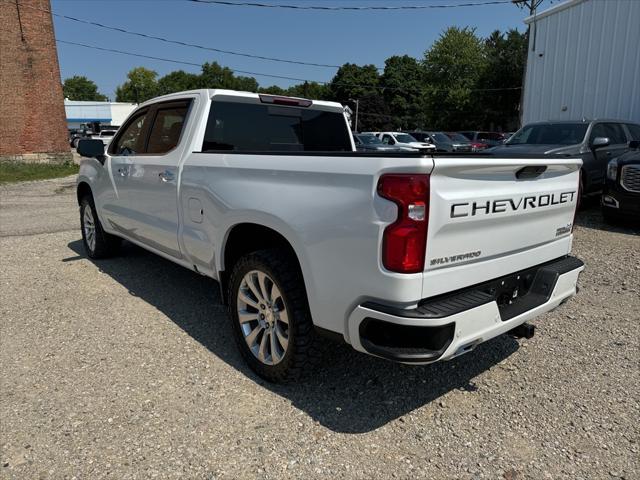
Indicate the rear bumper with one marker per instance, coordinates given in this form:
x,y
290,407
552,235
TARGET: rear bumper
x,y
446,326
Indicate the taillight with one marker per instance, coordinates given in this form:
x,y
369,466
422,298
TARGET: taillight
x,y
404,243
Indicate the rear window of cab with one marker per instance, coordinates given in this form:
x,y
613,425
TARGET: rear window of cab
x,y
248,127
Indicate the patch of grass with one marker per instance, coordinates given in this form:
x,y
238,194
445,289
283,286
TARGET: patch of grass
x,y
20,172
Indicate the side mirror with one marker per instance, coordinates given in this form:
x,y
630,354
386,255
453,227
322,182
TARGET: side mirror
x,y
634,144
600,142
91,148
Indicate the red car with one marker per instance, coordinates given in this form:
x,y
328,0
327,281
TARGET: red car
x,y
485,139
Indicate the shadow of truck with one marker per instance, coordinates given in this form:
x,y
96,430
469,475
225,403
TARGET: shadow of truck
x,y
349,392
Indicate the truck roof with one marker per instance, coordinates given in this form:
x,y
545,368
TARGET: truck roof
x,y
210,92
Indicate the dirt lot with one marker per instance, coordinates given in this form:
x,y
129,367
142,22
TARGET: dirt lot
x,y
126,369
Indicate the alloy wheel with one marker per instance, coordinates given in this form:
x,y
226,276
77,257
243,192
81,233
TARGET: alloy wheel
x,y
263,317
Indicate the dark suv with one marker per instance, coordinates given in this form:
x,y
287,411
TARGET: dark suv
x,y
595,141
621,196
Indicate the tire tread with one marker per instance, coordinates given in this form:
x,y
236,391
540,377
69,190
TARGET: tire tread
x,y
306,351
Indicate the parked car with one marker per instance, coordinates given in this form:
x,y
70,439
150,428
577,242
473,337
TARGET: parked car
x,y
76,134
464,142
595,142
74,137
105,136
368,142
442,142
621,196
409,257
490,139
400,139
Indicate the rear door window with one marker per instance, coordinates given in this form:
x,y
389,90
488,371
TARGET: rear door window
x,y
167,127
253,127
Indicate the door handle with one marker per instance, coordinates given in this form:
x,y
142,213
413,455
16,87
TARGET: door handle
x,y
166,176
122,172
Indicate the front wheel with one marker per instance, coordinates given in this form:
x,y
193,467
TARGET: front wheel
x,y
97,242
270,315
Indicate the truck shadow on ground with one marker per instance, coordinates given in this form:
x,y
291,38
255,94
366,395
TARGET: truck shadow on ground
x,y
349,392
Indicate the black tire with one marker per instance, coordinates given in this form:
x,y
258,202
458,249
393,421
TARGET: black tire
x,y
74,142
105,245
303,351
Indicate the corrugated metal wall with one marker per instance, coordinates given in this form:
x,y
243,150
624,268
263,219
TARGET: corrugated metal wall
x,y
586,62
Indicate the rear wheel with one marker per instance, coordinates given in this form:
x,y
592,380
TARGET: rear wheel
x,y
270,315
97,242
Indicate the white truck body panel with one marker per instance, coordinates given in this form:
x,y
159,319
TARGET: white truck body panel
x,y
184,204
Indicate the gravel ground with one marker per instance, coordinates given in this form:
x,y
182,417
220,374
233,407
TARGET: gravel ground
x,y
126,369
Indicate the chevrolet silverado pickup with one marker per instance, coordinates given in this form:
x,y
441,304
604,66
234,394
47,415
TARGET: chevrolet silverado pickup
x,y
407,256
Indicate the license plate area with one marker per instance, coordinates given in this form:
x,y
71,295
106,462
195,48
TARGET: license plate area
x,y
521,291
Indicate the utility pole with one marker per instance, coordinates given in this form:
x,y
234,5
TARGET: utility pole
x,y
355,126
532,5
357,106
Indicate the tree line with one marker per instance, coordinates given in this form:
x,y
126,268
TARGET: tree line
x,y
463,81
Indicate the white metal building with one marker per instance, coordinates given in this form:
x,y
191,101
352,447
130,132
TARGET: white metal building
x,y
107,113
584,62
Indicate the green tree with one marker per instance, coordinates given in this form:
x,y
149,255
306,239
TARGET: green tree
x,y
216,76
453,67
403,85
353,82
245,84
81,88
273,90
312,90
506,59
141,85
178,81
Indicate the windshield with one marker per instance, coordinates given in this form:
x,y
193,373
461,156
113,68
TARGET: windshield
x,y
440,137
369,139
404,138
458,137
550,134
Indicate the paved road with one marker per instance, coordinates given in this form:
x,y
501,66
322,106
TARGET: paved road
x,y
33,208
125,368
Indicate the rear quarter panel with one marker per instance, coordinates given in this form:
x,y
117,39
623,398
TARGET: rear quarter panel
x,y
325,206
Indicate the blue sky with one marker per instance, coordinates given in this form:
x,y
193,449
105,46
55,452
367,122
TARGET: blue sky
x,y
312,36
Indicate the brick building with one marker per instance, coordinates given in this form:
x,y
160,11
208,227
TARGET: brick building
x,y
32,116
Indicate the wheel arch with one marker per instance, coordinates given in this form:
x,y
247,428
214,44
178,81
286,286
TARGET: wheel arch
x,y
83,189
247,237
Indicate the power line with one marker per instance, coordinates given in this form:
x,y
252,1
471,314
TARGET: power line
x,y
259,74
182,62
177,42
354,8
230,52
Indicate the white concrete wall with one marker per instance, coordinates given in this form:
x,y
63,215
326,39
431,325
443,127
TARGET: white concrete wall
x,y
109,113
586,62
120,112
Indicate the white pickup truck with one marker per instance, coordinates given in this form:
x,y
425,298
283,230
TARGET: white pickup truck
x,y
409,257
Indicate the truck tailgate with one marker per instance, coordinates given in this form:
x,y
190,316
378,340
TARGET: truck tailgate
x,y
490,216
